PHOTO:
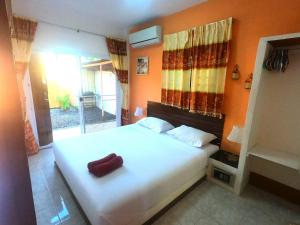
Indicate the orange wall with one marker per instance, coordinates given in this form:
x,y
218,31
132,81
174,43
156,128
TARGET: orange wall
x,y
253,19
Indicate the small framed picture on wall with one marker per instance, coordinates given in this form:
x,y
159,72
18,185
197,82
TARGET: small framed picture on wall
x,y
142,65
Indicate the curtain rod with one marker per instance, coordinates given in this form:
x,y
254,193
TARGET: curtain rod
x,y
71,28
79,30
287,48
74,29
232,19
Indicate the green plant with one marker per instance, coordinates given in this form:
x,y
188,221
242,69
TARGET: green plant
x,y
64,102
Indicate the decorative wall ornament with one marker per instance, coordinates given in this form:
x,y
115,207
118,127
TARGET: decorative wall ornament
x,y
142,65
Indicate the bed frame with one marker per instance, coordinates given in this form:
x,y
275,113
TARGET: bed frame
x,y
179,117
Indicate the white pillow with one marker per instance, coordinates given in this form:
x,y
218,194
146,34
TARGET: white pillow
x,y
192,136
155,124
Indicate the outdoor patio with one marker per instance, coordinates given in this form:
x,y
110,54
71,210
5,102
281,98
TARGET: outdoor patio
x,y
70,118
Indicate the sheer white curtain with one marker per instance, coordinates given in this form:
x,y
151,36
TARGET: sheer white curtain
x,y
119,97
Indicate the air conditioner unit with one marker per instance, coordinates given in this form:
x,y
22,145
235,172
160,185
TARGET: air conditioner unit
x,y
148,36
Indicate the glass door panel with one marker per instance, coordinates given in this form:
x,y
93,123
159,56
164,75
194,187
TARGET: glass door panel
x,y
98,95
62,73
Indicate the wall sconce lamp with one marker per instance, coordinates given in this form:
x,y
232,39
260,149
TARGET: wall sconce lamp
x,y
138,111
236,134
248,81
235,72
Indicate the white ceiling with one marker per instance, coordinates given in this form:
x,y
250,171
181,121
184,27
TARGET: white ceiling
x,y
108,17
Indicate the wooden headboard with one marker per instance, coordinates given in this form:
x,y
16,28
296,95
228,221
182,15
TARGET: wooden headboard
x,y
179,117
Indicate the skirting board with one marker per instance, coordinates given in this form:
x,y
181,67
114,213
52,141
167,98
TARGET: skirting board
x,y
274,187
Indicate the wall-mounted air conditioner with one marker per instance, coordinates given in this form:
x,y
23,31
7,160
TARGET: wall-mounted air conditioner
x,y
148,36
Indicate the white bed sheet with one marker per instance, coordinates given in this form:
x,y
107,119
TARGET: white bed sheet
x,y
156,167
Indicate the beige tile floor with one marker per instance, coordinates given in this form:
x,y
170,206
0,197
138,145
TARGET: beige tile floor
x,y
207,204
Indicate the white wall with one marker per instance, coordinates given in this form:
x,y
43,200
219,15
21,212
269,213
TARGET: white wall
x,y
62,40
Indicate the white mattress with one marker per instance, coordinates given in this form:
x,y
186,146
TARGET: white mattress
x,y
157,168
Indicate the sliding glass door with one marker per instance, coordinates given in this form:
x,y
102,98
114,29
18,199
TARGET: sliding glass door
x,y
98,95
62,72
81,93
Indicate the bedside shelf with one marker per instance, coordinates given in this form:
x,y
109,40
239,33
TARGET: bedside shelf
x,y
283,158
225,164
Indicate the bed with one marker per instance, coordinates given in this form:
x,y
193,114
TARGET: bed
x,y
157,168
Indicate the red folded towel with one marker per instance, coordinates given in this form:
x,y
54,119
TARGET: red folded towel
x,y
104,168
90,165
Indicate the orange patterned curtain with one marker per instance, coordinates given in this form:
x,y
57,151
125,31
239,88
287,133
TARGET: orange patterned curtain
x,y
118,54
23,33
176,71
210,54
194,68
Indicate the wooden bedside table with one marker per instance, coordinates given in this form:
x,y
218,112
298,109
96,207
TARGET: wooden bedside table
x,y
222,169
